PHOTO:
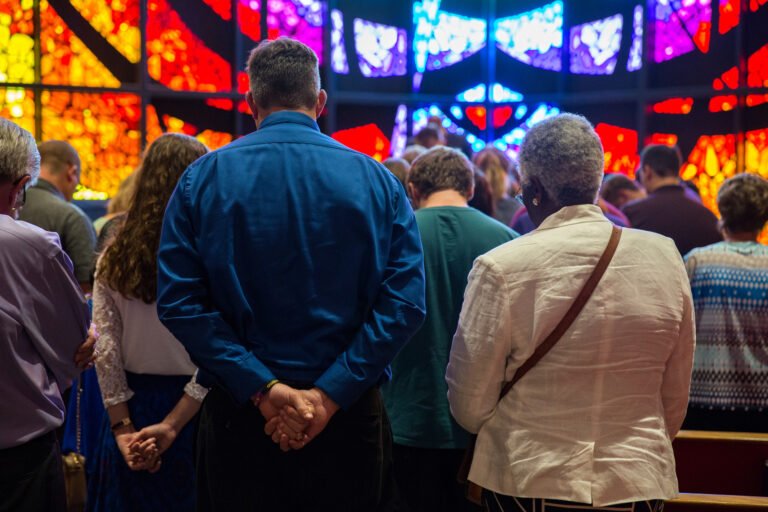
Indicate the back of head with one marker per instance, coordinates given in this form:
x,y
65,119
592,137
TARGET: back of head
x,y
399,168
129,265
413,152
495,165
743,203
613,185
56,156
18,153
428,137
565,154
483,198
439,169
663,160
284,74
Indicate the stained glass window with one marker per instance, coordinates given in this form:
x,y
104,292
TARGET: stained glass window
x,y
367,139
339,62
179,59
499,94
595,46
104,128
65,59
18,105
635,60
620,148
678,27
17,45
297,19
534,37
117,21
442,39
381,49
712,161
211,138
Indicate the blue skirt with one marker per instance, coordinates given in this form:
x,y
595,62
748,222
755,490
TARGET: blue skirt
x,y
114,487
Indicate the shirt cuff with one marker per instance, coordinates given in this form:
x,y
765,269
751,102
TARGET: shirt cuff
x,y
248,376
342,386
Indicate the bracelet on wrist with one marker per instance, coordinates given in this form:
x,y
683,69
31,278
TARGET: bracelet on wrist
x,y
263,391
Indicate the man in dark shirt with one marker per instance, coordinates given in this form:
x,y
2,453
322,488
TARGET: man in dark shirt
x,y
667,210
48,206
290,265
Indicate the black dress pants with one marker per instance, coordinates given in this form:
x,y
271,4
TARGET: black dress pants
x,y
347,467
32,478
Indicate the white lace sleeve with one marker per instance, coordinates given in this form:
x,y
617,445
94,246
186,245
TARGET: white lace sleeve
x,y
194,389
109,362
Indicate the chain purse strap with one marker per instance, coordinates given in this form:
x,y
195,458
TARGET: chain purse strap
x,y
78,427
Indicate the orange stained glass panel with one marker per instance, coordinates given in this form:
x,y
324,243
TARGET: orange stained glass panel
x,y
117,21
18,105
177,58
211,138
65,60
104,128
17,46
712,161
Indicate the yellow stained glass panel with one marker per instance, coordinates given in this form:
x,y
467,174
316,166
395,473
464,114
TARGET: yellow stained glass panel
x,y
17,45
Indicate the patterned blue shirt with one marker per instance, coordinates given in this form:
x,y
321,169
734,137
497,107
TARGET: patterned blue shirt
x,y
287,255
729,281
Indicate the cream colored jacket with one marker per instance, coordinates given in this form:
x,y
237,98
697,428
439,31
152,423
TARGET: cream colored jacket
x,y
593,421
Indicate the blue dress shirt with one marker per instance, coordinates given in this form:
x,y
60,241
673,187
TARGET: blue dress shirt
x,y
288,255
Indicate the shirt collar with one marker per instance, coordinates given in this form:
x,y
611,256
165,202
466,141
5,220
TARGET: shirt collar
x,y
569,215
675,189
287,116
49,187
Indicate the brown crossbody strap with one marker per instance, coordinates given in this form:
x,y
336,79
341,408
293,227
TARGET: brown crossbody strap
x,y
573,312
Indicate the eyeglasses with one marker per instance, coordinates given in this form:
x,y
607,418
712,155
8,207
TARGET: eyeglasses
x,y
21,199
519,198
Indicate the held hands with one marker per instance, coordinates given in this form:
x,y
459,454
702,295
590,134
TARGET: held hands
x,y
295,417
141,450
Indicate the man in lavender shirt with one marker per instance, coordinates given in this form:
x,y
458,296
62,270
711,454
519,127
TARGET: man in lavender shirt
x,y
44,319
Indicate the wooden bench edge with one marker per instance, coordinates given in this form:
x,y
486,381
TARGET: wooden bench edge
x,y
705,435
719,500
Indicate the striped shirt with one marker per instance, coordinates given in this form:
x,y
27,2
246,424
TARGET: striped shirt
x,y
729,281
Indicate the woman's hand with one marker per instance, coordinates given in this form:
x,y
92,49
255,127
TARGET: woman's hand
x,y
125,437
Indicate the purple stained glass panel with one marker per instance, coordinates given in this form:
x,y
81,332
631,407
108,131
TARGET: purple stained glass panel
x,y
298,19
339,61
381,49
534,37
635,60
595,46
674,24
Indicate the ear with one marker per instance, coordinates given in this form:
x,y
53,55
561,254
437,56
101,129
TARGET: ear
x,y
471,191
252,105
537,190
73,174
414,194
322,99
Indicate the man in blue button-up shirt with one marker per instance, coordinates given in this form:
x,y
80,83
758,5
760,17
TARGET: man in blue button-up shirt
x,y
286,256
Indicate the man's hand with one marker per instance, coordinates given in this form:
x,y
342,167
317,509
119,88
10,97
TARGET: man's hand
x,y
86,353
288,428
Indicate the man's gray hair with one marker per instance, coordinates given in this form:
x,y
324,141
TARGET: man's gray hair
x,y
566,156
284,73
18,153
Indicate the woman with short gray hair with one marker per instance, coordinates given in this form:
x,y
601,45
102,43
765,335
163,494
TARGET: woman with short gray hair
x,y
589,347
729,389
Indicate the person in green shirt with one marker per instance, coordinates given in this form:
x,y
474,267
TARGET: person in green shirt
x,y
429,444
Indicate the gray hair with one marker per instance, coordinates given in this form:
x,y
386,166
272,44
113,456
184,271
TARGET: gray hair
x,y
566,156
284,73
18,153
442,168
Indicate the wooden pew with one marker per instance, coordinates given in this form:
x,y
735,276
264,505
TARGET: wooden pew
x,y
720,472
732,463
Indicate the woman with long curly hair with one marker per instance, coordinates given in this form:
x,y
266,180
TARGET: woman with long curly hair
x,y
146,376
